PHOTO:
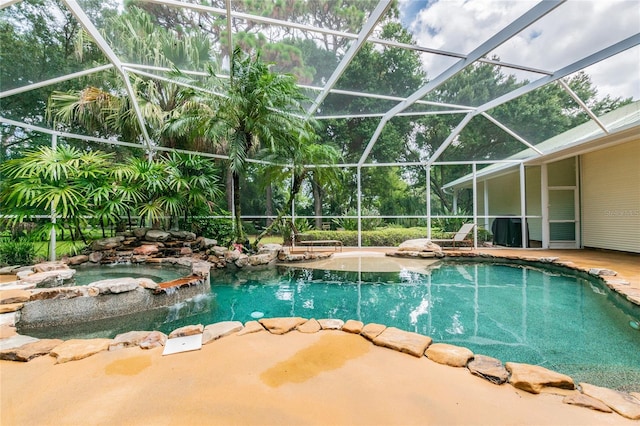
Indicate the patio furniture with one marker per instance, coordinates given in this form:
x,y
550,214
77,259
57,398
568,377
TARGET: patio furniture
x,y
458,237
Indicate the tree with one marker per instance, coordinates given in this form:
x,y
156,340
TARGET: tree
x,y
254,108
301,155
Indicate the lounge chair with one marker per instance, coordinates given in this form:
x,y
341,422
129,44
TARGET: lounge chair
x,y
459,236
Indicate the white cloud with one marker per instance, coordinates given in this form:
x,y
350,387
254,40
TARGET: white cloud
x,y
573,30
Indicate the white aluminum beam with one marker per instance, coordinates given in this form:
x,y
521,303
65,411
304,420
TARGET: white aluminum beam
x,y
511,132
86,23
585,62
584,106
7,3
382,114
56,80
456,131
515,27
355,47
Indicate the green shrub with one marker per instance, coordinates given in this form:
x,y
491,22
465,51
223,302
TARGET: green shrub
x,y
17,252
220,229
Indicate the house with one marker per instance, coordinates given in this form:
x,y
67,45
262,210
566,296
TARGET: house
x,y
581,190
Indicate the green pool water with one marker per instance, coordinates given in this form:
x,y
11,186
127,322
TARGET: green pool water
x,y
522,314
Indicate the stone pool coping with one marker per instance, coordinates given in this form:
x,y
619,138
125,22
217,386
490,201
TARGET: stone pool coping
x,y
618,283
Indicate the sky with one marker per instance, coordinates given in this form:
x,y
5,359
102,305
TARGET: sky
x,y
574,29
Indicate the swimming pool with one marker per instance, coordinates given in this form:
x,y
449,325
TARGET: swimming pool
x,y
514,313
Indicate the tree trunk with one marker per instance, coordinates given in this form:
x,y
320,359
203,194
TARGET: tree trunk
x,y
229,189
317,202
269,205
240,237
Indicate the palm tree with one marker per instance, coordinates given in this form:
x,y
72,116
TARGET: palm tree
x,y
64,180
254,108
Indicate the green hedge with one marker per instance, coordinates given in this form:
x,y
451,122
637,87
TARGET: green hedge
x,y
381,237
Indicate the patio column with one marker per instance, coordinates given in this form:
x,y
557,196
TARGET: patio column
x,y
475,205
428,180
52,235
359,171
523,207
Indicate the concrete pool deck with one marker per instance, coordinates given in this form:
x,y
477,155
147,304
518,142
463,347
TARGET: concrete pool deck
x,y
329,377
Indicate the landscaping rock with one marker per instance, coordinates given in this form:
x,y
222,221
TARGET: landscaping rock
x,y
96,257
602,272
331,324
60,293
8,319
188,330
156,235
73,350
7,331
49,278
353,326
488,368
231,255
183,235
533,378
107,243
208,242
404,341
29,351
10,307
221,329
372,330
77,260
115,285
49,266
242,261
620,402
14,296
262,259
128,340
16,341
311,326
250,327
444,353
153,340
582,400
21,275
139,232
281,325
146,250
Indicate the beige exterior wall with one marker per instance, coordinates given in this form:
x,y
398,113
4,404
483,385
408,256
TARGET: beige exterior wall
x,y
611,198
534,204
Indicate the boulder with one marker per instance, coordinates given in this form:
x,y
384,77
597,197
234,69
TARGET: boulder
x,y
488,368
7,331
186,251
220,252
372,330
206,243
231,255
602,272
128,340
250,327
331,324
21,275
281,325
403,341
156,235
14,296
262,259
96,256
16,341
49,266
353,326
115,285
419,245
76,349
188,330
620,402
220,329
201,268
147,283
107,243
153,340
582,400
29,351
139,232
311,326
444,353
533,378
270,248
77,260
10,307
146,250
